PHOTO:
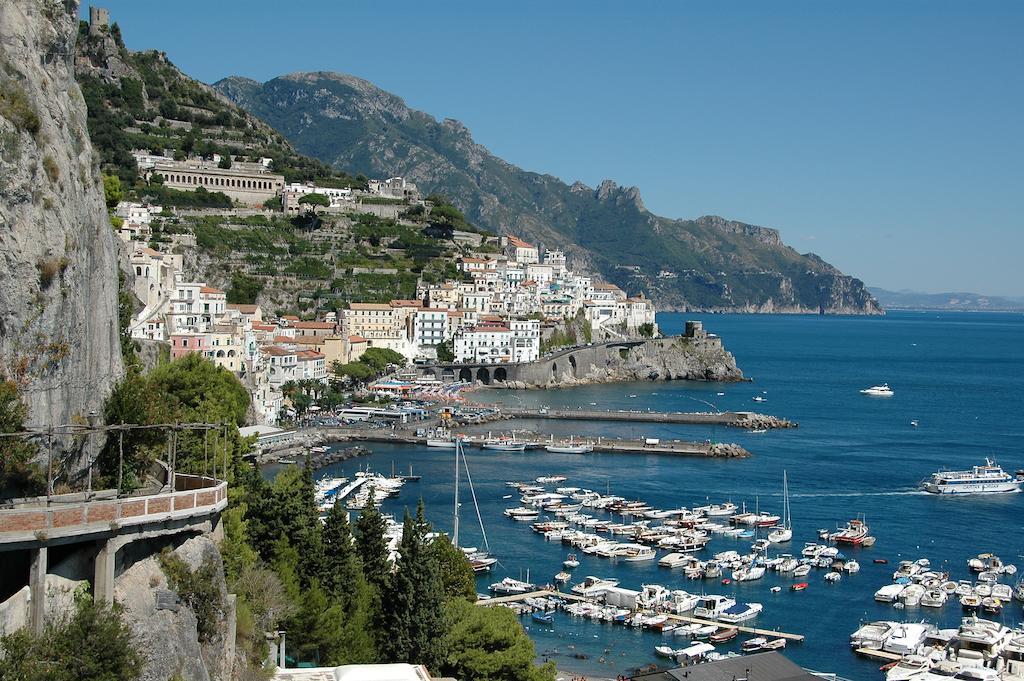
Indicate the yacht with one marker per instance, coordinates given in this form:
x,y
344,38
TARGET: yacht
x,y
522,514
748,574
672,560
717,510
889,593
872,635
634,553
878,391
712,606
594,586
512,586
986,479
910,667
907,637
980,641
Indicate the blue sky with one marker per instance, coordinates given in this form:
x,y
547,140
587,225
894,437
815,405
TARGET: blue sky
x,y
884,136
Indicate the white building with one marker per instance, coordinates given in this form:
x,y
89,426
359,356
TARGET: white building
x,y
431,326
485,343
522,252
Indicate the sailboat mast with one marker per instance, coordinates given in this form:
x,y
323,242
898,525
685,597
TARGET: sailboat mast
x,y
455,521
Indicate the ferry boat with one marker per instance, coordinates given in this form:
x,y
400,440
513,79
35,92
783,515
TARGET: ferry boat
x,y
878,391
986,479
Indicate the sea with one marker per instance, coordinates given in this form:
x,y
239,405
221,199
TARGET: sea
x,y
959,376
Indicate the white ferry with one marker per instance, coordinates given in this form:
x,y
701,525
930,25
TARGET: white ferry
x,y
987,479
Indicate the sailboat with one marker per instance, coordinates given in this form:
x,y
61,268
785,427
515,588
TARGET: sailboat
x,y
784,532
481,561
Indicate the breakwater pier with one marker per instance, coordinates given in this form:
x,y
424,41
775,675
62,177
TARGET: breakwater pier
x,y
735,419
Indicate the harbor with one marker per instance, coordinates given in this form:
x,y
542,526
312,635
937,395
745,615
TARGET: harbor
x,y
734,419
840,467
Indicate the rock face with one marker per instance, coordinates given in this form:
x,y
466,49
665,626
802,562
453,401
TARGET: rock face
x,y
58,292
709,263
660,359
166,630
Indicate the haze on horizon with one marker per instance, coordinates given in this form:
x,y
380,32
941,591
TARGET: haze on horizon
x,y
884,137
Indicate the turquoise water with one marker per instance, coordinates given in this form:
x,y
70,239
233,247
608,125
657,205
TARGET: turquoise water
x,y
960,375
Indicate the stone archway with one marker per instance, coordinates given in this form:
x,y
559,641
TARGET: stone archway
x,y
500,374
483,375
466,375
447,375
554,369
572,365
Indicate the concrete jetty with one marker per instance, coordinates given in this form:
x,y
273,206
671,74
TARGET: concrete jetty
x,y
734,419
543,593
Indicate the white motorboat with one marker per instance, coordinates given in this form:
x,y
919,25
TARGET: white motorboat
x,y
889,593
986,479
570,561
683,601
512,586
673,560
909,667
851,566
594,586
441,443
569,447
503,445
936,598
748,574
717,510
833,577
741,612
634,553
872,635
522,514
802,570
712,606
878,391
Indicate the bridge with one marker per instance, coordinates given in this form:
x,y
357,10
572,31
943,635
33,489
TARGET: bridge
x,y
97,526
568,363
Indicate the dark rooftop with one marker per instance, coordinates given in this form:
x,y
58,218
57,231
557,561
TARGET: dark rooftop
x,y
769,666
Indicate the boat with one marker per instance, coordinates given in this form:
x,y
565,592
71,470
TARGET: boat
x,y
634,553
754,645
889,593
935,598
802,570
569,447
705,630
666,651
907,637
799,586
851,566
522,514
504,445
511,586
410,477
712,606
784,532
908,667
562,577
748,573
441,438
759,398
833,577
741,612
724,634
991,605
570,561
872,635
717,510
594,586
673,560
543,618
878,391
985,479
855,533
970,602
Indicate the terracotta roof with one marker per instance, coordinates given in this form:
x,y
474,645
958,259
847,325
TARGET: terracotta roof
x,y
406,303
309,355
518,243
150,252
210,289
276,351
244,309
491,327
369,306
307,340
290,317
607,287
473,260
313,325
264,327
283,339
356,339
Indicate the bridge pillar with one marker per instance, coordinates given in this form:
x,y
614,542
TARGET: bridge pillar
x,y
37,587
104,576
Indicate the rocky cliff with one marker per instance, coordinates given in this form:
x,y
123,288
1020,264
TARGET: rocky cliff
x,y
166,629
709,263
59,333
659,359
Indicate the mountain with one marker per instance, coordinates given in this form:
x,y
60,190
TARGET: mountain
x,y
973,302
710,263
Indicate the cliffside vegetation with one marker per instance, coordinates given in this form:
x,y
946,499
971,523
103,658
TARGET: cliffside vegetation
x,y
93,643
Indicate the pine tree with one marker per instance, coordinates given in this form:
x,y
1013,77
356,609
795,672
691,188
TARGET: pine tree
x,y
457,578
341,567
413,606
372,547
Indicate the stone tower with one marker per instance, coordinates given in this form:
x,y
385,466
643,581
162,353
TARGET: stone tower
x,y
99,20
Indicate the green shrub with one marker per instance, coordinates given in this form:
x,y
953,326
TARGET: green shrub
x,y
198,589
16,107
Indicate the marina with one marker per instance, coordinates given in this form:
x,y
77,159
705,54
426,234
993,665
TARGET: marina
x,y
833,464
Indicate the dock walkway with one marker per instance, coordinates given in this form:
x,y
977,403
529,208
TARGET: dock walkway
x,y
544,593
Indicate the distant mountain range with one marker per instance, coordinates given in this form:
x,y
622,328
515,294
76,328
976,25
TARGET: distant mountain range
x,y
710,263
914,300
